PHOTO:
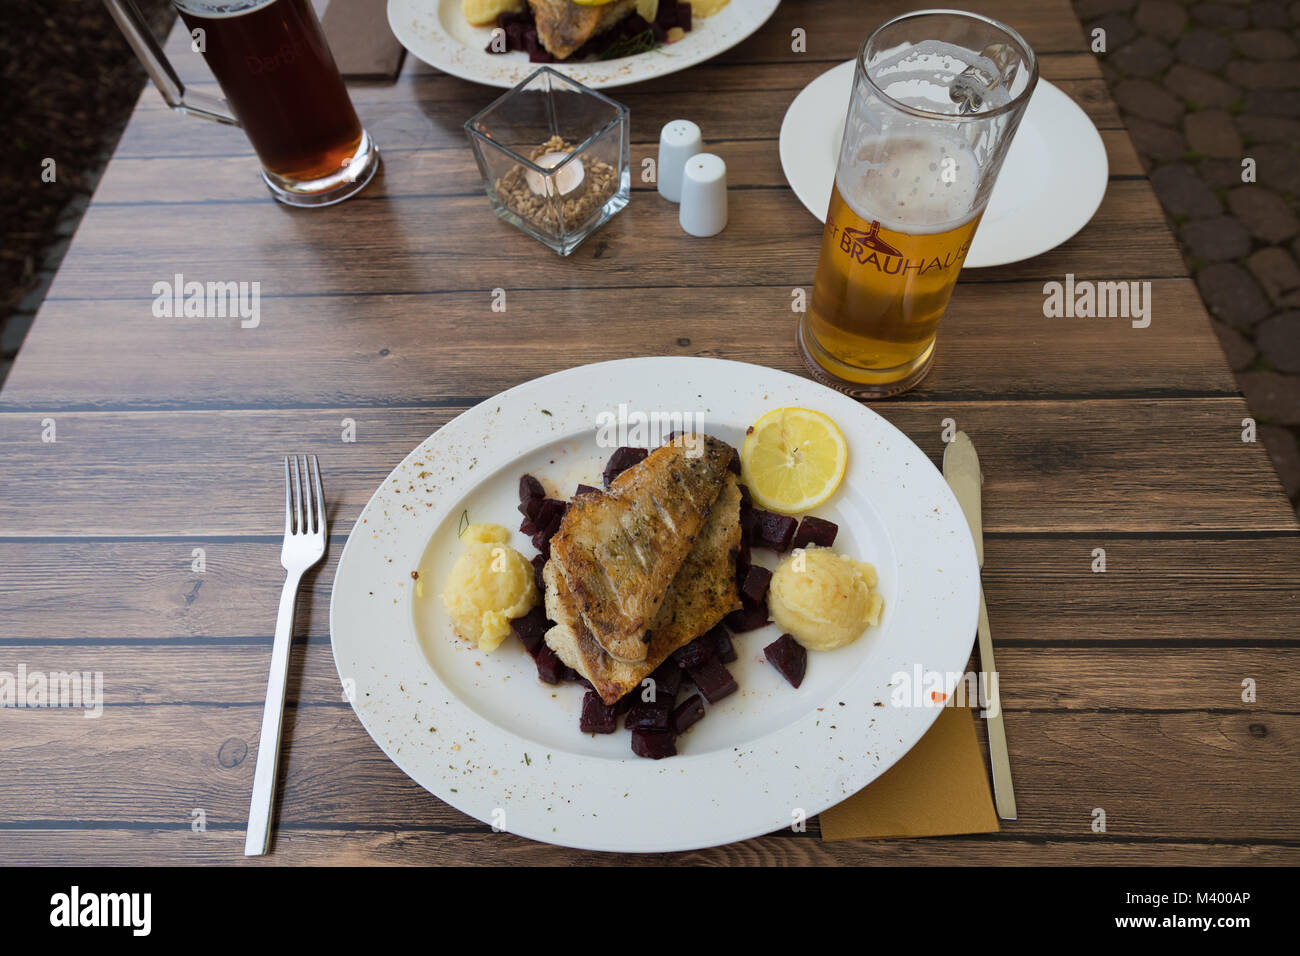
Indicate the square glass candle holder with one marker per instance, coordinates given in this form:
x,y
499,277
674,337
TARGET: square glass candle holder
x,y
554,158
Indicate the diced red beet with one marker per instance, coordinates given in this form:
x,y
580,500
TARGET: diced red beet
x,y
531,628
549,666
541,55
597,717
687,713
750,617
626,702
549,515
723,646
756,582
649,715
695,653
667,678
585,490
743,564
539,562
654,744
773,530
531,507
684,16
623,459
714,681
530,488
666,16
745,500
815,531
542,542
789,657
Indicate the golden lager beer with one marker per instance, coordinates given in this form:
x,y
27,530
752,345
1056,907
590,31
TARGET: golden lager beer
x,y
891,252
937,97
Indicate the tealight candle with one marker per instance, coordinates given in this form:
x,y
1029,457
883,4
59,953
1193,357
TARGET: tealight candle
x,y
566,180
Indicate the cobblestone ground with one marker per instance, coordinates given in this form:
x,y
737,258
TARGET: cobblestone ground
x,y
1204,86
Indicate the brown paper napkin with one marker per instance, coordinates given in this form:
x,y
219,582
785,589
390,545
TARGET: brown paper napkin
x,y
359,37
939,788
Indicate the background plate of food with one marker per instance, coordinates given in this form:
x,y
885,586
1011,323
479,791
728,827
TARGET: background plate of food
x,y
600,43
435,591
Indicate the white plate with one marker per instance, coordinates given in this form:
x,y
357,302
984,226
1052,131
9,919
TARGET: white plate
x,y
437,32
1051,182
507,748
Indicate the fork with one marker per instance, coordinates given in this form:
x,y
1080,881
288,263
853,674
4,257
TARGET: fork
x,y
304,546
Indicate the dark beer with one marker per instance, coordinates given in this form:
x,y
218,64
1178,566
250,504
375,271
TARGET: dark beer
x,y
277,73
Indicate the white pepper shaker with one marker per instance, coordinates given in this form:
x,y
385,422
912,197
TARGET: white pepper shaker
x,y
704,195
678,142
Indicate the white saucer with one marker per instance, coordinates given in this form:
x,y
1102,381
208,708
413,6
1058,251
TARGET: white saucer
x,y
1050,185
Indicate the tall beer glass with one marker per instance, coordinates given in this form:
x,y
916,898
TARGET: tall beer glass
x,y
281,85
937,97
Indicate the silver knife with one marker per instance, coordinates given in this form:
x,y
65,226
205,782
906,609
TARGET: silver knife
x,y
961,469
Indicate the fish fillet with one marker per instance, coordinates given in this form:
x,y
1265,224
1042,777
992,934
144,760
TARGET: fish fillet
x,y
703,592
563,26
619,550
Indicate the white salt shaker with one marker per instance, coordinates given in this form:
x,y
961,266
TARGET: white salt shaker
x,y
704,195
678,142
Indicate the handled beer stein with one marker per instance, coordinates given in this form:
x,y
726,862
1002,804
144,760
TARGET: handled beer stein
x,y
937,97
281,86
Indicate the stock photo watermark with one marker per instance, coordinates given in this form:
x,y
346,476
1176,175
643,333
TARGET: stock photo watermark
x,y
175,298
74,690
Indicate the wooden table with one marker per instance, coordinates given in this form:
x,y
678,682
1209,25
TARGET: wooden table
x,y
1123,689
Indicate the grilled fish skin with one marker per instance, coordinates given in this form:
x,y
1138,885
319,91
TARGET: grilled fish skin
x,y
563,26
703,592
619,550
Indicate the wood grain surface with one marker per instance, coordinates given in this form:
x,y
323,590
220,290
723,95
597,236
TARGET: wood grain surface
x,y
1123,689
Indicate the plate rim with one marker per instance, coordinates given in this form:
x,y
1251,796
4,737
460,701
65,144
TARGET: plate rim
x,y
667,65
1091,200
916,721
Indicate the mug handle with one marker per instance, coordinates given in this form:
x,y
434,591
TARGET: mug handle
x,y
136,30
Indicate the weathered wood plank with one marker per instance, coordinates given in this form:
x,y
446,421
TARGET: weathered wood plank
x,y
402,245
304,846
995,342
1035,673
155,765
1041,591
1057,466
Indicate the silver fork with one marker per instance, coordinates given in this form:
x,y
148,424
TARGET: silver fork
x,y
304,545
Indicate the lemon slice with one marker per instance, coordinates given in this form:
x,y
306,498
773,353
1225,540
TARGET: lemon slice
x,y
793,459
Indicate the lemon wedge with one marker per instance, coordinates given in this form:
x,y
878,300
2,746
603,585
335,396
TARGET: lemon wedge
x,y
793,459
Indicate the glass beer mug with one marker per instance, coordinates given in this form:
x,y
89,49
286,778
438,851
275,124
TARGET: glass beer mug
x,y
937,97
281,86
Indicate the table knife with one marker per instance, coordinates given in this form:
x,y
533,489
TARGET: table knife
x,y
961,469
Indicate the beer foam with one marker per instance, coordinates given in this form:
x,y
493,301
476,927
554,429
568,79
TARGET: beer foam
x,y
922,74
914,182
217,9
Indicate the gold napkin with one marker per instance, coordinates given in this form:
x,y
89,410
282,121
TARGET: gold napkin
x,y
940,787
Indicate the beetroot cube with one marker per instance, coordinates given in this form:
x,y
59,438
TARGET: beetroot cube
x,y
627,701
549,515
789,657
773,530
695,653
723,647
542,542
531,628
623,459
585,490
597,717
549,666
687,713
649,715
750,617
756,582
667,678
666,16
530,488
654,744
714,681
684,16
539,562
745,500
815,531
